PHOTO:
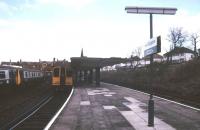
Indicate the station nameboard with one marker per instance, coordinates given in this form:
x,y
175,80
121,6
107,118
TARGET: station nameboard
x,y
153,46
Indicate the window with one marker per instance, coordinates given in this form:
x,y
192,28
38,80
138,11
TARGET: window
x,y
68,73
11,74
181,60
26,74
2,75
56,72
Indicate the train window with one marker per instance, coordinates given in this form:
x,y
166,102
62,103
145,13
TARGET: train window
x,y
31,74
68,73
26,74
2,75
56,72
11,74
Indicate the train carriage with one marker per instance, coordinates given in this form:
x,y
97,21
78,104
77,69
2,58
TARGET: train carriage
x,y
62,76
18,76
9,76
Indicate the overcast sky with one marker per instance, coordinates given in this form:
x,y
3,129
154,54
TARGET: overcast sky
x,y
43,29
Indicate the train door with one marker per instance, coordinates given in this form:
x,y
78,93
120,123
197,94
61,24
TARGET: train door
x,y
68,80
62,76
2,77
56,76
18,77
12,77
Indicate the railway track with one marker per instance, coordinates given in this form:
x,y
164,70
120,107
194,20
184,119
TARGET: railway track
x,y
14,119
15,102
32,111
39,118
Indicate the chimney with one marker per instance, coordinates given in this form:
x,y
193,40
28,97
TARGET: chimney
x,y
82,53
53,61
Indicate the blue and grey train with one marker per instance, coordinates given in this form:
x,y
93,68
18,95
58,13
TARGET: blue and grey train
x,y
18,76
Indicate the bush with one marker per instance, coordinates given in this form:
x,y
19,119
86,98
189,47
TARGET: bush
x,y
181,81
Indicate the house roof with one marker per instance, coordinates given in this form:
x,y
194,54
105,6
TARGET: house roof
x,y
178,50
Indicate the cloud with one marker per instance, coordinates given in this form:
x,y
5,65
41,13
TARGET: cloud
x,y
162,24
6,9
66,38
9,9
75,4
31,40
189,22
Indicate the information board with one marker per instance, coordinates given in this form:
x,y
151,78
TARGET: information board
x,y
153,46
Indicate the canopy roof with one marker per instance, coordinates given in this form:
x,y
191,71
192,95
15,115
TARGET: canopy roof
x,y
80,63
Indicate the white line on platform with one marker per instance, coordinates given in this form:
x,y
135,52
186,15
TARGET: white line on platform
x,y
194,108
58,113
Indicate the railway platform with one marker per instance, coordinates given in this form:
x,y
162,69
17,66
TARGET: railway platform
x,y
112,107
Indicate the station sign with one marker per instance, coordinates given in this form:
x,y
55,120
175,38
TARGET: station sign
x,y
153,46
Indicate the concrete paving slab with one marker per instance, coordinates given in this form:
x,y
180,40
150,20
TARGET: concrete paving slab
x,y
93,108
109,107
85,103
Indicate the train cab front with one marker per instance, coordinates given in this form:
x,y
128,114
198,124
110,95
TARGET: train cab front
x,y
61,80
56,77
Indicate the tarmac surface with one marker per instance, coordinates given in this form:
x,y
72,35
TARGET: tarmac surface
x,y
112,107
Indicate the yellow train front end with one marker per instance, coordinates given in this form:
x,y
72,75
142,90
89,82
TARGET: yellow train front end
x,y
68,77
56,76
62,77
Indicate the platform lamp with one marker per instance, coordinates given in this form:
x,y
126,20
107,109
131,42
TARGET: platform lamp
x,y
151,11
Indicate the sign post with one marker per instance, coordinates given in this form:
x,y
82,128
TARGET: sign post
x,y
153,46
151,11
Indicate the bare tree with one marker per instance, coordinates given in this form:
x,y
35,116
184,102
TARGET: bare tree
x,y
135,55
177,37
194,37
137,52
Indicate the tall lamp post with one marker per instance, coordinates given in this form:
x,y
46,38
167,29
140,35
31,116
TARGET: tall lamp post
x,y
151,11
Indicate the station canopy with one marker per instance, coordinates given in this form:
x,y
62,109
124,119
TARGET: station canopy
x,y
82,63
